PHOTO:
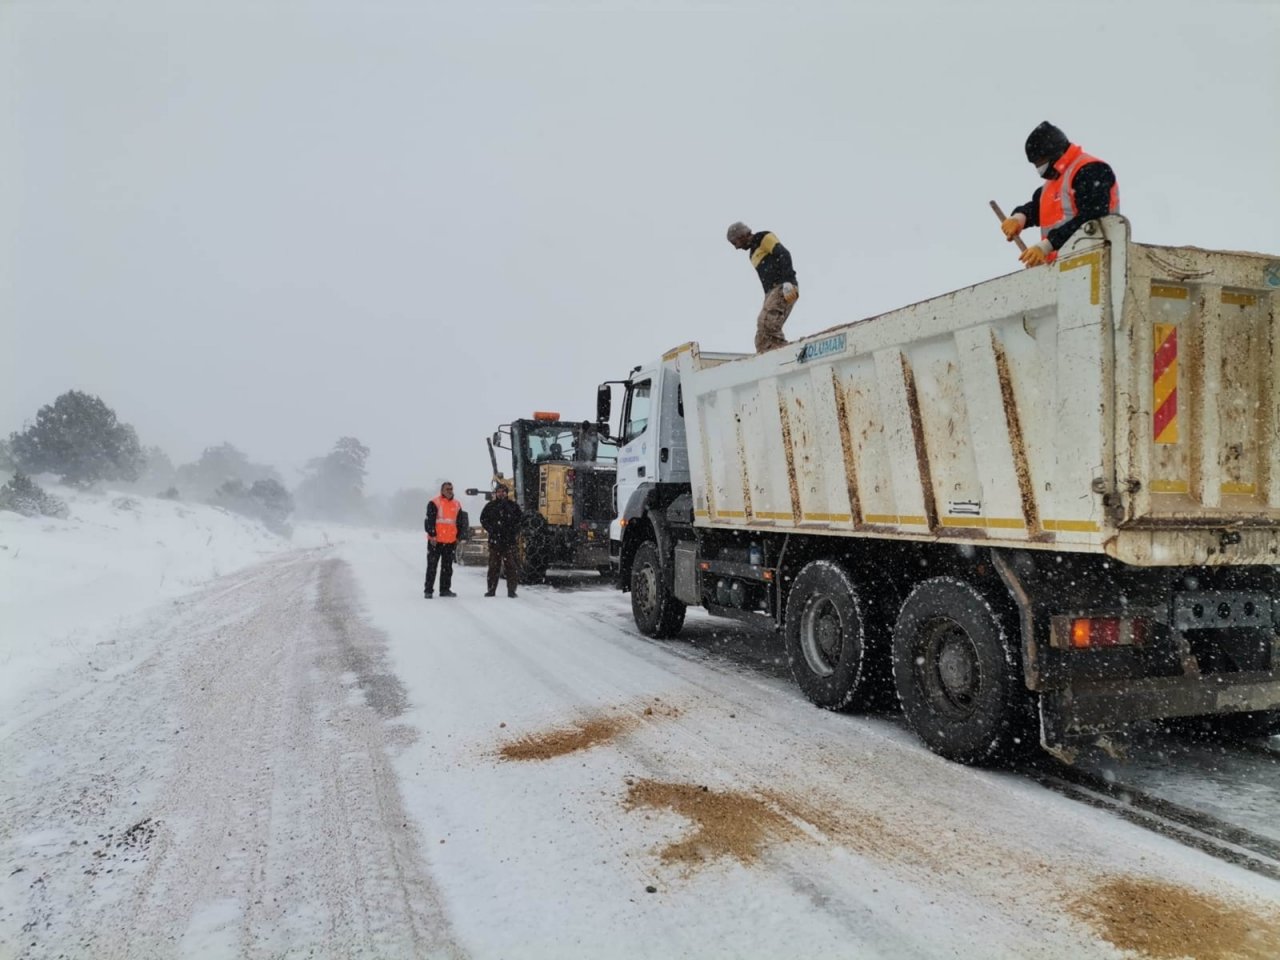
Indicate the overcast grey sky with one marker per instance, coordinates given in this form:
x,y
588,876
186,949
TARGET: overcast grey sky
x,y
277,223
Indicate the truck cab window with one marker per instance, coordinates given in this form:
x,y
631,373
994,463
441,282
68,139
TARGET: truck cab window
x,y
637,418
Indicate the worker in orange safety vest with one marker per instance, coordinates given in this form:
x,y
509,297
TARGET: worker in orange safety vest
x,y
442,540
1079,188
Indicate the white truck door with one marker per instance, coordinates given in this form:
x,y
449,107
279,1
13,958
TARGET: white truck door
x,y
637,446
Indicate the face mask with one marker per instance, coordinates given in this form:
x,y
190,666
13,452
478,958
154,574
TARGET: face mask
x,y
1042,169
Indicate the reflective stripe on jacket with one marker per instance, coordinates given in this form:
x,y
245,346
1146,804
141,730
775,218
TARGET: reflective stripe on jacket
x,y
1058,197
446,519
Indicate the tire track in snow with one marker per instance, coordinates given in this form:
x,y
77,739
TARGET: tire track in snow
x,y
261,758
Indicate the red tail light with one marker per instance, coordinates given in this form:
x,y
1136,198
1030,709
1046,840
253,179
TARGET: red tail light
x,y
1090,632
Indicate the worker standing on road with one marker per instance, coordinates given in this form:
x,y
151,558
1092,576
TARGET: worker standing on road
x,y
773,263
442,541
1080,188
501,520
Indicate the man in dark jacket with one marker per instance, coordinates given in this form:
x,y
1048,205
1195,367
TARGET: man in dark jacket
x,y
501,520
773,265
1080,188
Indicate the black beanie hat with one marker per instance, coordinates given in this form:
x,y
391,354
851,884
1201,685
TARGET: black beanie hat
x,y
1046,144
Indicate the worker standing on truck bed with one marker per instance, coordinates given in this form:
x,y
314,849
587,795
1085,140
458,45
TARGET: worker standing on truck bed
x,y
1080,188
773,263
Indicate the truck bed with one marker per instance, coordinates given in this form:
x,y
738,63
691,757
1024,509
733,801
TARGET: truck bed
x,y
1124,400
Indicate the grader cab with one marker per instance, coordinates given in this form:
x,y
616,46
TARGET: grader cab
x,y
562,476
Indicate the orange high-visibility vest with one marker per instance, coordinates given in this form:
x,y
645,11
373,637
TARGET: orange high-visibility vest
x,y
1058,197
446,520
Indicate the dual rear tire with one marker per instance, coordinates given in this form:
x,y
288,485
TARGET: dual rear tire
x,y
833,650
951,658
957,668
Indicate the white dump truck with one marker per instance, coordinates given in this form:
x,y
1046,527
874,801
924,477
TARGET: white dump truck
x,y
1048,500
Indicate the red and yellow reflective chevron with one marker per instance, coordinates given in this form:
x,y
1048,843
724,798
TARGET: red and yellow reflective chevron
x,y
1164,376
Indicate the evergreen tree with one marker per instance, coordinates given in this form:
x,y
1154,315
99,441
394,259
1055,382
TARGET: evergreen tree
x,y
79,438
218,465
157,472
333,488
265,500
274,504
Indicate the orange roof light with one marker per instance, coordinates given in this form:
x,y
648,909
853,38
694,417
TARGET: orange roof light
x,y
545,415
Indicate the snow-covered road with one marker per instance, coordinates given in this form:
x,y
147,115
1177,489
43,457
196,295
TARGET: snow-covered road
x,y
314,761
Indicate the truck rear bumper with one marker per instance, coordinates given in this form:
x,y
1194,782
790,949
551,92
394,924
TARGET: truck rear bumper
x,y
1087,709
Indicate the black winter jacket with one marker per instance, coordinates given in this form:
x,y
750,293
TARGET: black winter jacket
x,y
501,520
771,259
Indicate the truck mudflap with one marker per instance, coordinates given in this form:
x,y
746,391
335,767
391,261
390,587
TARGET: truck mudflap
x,y
1081,712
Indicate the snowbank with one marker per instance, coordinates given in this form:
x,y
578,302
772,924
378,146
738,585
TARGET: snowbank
x,y
66,586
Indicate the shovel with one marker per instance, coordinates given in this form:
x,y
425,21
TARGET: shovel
x,y
1000,213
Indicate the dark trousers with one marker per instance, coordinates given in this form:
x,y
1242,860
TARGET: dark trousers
x,y
439,554
503,559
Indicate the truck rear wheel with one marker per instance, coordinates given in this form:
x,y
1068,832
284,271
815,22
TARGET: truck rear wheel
x,y
957,673
657,613
827,645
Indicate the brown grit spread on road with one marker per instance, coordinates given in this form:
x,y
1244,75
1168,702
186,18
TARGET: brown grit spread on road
x,y
1167,922
556,743
588,733
729,824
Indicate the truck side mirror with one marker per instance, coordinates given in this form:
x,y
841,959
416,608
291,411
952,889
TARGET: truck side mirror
x,y
497,438
604,405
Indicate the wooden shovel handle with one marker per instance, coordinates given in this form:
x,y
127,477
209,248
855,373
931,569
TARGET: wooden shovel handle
x,y
1000,213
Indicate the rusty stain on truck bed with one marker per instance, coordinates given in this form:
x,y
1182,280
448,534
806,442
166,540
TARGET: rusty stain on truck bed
x,y
846,448
789,450
742,469
922,453
1021,466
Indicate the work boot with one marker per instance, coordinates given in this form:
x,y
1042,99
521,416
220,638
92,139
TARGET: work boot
x,y
427,594
489,593
511,593
447,593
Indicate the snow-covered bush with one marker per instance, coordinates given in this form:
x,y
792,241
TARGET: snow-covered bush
x,y
23,495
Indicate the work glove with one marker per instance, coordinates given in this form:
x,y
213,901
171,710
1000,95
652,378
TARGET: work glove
x,y
790,293
1036,254
1012,226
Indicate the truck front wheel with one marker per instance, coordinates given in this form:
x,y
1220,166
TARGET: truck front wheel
x,y
656,612
957,673
826,640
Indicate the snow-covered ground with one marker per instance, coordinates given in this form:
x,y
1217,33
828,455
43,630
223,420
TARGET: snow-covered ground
x,y
303,757
69,588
